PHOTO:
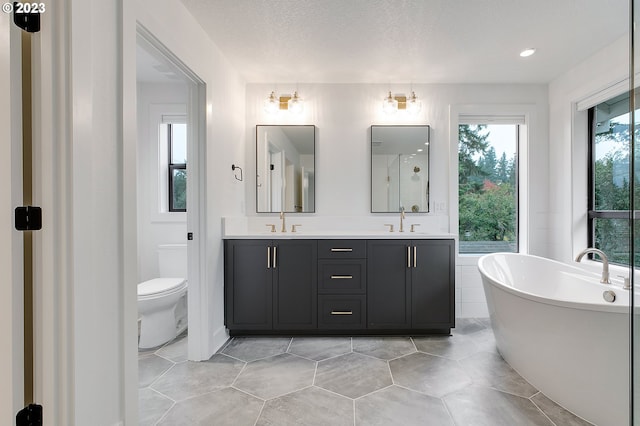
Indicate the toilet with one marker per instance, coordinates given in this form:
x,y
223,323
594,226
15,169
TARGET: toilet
x,y
162,302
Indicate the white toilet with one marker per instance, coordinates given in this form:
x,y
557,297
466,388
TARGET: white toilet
x,y
162,302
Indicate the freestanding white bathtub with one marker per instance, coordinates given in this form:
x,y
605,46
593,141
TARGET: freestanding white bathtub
x,y
553,326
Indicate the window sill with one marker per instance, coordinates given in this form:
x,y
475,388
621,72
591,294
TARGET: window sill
x,y
169,217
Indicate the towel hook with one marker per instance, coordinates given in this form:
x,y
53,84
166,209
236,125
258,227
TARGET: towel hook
x,y
234,167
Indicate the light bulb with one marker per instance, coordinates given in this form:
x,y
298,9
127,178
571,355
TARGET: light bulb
x,y
295,103
271,104
390,105
414,105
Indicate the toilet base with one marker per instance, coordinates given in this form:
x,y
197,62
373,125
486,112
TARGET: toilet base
x,y
159,327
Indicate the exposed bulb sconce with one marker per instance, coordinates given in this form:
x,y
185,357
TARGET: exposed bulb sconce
x,y
271,104
389,104
392,104
283,103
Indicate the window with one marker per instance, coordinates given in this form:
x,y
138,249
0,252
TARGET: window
x,y
177,144
488,187
609,197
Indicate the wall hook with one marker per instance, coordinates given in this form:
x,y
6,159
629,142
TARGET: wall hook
x,y
234,167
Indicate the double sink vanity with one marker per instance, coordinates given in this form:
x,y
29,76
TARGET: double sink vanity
x,y
317,280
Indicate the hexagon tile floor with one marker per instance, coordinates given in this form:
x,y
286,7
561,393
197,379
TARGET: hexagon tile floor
x,y
445,380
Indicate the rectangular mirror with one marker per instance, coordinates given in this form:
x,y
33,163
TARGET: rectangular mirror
x,y
400,169
285,168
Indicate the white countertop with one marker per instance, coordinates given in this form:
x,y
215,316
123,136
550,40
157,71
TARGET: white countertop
x,y
342,235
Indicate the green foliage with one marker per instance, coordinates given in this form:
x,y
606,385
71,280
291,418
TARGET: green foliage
x,y
487,190
180,189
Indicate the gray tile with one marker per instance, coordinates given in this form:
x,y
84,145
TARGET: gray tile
x,y
387,348
176,350
489,369
310,407
353,375
556,413
151,406
150,367
224,407
484,321
455,347
481,406
468,326
319,348
402,407
275,376
253,348
428,374
484,340
189,379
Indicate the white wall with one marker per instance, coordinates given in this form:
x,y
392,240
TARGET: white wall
x,y
178,31
603,75
154,227
343,114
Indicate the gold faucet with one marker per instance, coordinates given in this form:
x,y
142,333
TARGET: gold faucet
x,y
401,219
284,229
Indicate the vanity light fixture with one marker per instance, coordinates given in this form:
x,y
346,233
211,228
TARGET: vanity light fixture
x,y
392,104
528,52
389,104
284,102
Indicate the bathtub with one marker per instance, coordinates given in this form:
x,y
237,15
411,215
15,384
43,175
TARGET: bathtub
x,y
554,328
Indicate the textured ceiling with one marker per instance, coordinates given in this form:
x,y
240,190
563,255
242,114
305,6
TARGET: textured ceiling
x,y
421,41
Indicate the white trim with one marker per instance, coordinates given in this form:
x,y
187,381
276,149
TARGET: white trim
x,y
612,90
458,113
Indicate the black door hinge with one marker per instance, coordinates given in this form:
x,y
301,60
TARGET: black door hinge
x,y
28,218
190,236
26,15
31,415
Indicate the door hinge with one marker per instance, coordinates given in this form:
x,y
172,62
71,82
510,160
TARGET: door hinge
x,y
25,15
190,236
31,415
28,218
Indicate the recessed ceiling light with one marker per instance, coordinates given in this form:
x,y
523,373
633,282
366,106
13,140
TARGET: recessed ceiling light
x,y
528,52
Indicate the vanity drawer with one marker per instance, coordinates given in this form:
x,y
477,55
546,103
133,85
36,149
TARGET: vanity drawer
x,y
346,312
342,249
342,276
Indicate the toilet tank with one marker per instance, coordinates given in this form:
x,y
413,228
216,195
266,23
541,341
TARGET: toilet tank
x,y
172,260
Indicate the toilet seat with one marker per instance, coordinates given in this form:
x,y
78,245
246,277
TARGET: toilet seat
x,y
160,286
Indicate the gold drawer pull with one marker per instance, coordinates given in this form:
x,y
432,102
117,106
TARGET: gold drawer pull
x,y
341,249
341,277
341,312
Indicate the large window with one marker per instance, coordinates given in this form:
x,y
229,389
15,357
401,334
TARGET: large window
x,y
488,188
609,212
177,144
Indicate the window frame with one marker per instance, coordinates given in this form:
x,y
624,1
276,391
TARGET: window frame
x,y
171,167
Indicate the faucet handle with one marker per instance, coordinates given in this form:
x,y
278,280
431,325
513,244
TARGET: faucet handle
x,y
627,282
273,227
390,225
412,227
293,227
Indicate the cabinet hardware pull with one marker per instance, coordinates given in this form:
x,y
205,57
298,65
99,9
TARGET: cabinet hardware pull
x,y
415,248
268,257
275,263
341,249
408,256
341,312
341,277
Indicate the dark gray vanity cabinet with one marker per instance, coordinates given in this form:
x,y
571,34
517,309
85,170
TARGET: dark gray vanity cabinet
x,y
270,284
410,284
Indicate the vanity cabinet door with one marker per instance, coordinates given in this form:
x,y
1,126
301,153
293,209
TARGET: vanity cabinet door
x,y
432,284
248,284
295,284
388,284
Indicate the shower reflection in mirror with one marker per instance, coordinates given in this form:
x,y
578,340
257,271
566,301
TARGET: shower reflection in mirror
x,y
400,169
285,168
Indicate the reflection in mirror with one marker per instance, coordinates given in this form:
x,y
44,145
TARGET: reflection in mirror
x,y
285,168
399,169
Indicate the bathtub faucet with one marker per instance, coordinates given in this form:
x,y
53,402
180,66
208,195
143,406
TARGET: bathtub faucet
x,y
605,262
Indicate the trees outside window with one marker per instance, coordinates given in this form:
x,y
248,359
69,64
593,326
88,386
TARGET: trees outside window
x,y
487,188
177,138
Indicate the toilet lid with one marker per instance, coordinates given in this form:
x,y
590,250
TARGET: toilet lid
x,y
159,285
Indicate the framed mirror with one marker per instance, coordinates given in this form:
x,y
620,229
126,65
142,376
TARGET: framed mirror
x,y
285,168
400,169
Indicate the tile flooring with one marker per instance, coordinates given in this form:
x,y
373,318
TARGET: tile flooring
x,y
441,380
